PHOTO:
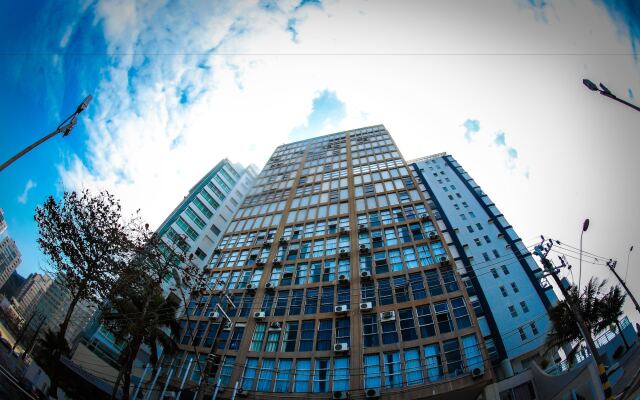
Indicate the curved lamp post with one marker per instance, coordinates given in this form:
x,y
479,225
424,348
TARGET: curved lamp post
x,y
603,90
585,226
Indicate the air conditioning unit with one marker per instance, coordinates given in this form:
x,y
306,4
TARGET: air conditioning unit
x,y
340,394
365,275
344,231
343,279
364,249
341,309
344,253
372,393
443,261
214,315
277,261
227,326
283,240
259,262
213,358
270,286
433,235
477,373
267,243
217,251
362,228
260,315
366,306
424,217
340,347
387,316
275,326
243,393
251,287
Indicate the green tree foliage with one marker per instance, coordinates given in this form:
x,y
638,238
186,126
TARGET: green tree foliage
x,y
600,310
87,242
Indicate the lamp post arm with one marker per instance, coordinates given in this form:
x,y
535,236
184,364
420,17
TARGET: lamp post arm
x,y
31,147
614,97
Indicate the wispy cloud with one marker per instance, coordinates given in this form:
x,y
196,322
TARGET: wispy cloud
x,y
22,199
472,127
511,153
326,113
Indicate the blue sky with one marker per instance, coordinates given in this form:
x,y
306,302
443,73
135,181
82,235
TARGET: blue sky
x,y
495,84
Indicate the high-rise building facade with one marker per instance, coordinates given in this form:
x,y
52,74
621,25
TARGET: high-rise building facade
x,y
32,290
3,222
337,283
507,289
10,258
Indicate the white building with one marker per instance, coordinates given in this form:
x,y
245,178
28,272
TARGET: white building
x,y
510,297
10,258
32,290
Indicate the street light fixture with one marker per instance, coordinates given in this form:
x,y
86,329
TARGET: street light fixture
x,y
585,226
66,126
603,90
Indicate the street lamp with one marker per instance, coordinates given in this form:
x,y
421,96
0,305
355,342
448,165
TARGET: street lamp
x,y
606,92
585,226
65,127
628,256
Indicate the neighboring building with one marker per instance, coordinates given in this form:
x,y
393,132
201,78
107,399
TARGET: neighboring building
x,y
32,290
3,223
505,283
196,224
10,258
54,303
342,283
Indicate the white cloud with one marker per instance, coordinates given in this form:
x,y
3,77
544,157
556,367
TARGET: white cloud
x,y
417,67
22,199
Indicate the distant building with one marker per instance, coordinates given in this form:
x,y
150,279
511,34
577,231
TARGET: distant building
x,y
32,290
10,258
507,291
54,304
3,222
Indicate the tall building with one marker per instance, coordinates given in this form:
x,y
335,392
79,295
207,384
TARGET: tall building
x,y
32,290
3,222
10,258
195,225
505,283
54,303
338,283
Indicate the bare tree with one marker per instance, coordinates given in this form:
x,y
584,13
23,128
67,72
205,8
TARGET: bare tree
x,y
88,244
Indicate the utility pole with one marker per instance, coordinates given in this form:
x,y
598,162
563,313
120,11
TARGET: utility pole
x,y
612,266
542,251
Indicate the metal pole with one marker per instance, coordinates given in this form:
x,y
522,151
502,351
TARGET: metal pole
x,y
612,267
215,392
153,384
613,96
164,388
184,378
580,269
144,373
235,389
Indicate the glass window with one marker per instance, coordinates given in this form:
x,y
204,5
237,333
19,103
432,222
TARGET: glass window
x,y
258,337
323,341
250,372
343,331
452,356
461,313
341,373
433,280
290,336
389,332
303,374
371,371
385,296
407,325
425,320
326,302
370,330
283,375
412,366
471,350
306,335
273,338
226,370
442,316
392,369
265,380
236,338
321,375
449,279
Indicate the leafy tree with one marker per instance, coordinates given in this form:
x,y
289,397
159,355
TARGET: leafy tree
x,y
599,310
140,310
87,242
